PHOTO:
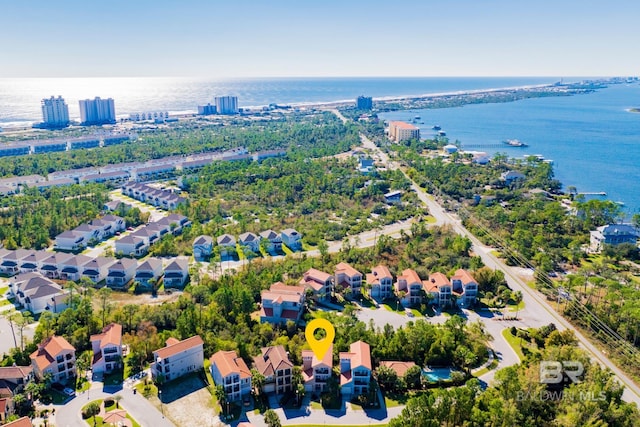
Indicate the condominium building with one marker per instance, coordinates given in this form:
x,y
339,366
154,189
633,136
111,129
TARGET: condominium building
x,y
401,131
107,349
364,103
230,371
178,358
226,104
54,356
55,113
355,369
97,111
381,282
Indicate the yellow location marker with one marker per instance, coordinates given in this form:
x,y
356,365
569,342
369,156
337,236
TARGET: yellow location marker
x,y
320,347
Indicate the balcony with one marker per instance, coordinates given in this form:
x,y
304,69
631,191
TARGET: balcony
x,y
71,365
69,356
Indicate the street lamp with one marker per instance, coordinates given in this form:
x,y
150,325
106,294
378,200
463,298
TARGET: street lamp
x,y
55,305
160,397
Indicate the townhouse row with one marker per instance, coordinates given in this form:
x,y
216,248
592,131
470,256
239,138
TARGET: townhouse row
x,y
281,303
138,242
89,234
159,198
273,241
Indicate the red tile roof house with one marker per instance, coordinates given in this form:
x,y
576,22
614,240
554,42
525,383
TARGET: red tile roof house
x,y
230,371
409,283
355,369
316,373
282,303
13,379
348,277
54,356
274,364
439,287
319,282
400,368
381,282
178,358
465,286
21,422
107,349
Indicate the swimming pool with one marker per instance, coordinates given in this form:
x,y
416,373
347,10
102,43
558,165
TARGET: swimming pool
x,y
437,374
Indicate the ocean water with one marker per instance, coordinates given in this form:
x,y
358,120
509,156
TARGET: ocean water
x,y
593,140
20,98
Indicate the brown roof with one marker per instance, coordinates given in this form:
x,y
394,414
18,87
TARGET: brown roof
x,y
22,422
271,360
180,346
398,367
410,276
402,125
381,271
228,363
316,276
436,280
111,335
48,350
326,360
345,268
14,372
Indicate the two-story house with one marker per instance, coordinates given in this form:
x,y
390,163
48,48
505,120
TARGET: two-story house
x,y
319,282
176,273
439,287
148,273
178,358
52,265
465,287
292,239
273,241
355,369
202,248
132,245
97,268
121,273
107,349
381,282
13,379
348,277
11,261
33,261
274,364
316,373
613,234
409,288
227,244
230,371
282,303
251,241
54,356
72,268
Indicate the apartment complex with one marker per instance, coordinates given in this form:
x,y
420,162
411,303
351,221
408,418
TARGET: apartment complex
x,y
402,131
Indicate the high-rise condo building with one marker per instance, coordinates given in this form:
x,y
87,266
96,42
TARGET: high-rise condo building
x,y
97,111
226,104
55,113
364,103
401,131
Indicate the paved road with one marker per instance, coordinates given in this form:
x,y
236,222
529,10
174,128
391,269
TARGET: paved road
x,y
137,406
536,304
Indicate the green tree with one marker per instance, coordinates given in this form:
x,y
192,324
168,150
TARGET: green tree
x,y
272,419
92,410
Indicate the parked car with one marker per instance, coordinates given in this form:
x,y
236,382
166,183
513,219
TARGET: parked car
x,y
69,391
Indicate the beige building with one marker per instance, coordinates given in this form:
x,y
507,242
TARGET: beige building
x,y
54,356
401,131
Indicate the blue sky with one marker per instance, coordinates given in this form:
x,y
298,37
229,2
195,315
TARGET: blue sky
x,y
245,38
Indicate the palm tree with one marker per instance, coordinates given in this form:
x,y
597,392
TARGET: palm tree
x,y
517,299
92,410
10,318
221,396
257,379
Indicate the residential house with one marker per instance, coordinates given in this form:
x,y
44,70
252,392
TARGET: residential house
x,y
37,293
348,277
54,356
20,422
365,165
107,349
6,407
71,268
97,268
70,241
51,267
381,282
110,225
393,197
11,261
251,241
292,239
227,244
400,368
33,261
439,287
355,369
613,234
132,245
276,368
121,272
202,248
319,282
273,239
148,273
465,287
409,288
176,273
316,373
175,222
178,358
230,371
13,379
511,177
282,303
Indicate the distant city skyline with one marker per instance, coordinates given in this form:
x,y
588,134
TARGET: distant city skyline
x,y
284,38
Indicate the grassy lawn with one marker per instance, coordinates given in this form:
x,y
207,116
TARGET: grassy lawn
x,y
315,405
114,378
514,342
3,290
4,302
416,312
286,250
392,400
392,307
492,365
513,307
324,425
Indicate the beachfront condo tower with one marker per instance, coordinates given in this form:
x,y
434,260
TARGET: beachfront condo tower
x,y
55,113
97,111
226,104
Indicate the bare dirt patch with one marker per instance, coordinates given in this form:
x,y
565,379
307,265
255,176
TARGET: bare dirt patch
x,y
187,402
